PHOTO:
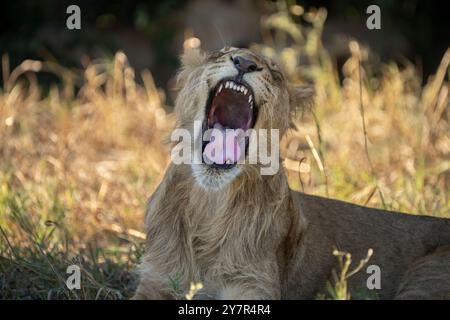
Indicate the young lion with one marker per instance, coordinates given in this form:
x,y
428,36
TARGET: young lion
x,y
248,236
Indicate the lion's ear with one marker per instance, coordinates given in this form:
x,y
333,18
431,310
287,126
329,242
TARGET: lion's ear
x,y
301,97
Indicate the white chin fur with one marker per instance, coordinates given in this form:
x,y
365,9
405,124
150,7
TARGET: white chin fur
x,y
212,179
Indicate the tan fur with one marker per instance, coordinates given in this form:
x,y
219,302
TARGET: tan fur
x,y
254,238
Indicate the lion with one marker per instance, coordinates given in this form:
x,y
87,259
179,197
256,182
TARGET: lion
x,y
244,235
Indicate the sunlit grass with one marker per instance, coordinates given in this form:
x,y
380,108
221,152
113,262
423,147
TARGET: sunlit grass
x,y
405,166
75,173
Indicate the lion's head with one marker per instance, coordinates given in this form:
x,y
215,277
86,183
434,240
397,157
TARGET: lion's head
x,y
236,89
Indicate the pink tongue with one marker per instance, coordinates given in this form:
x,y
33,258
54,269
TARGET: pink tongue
x,y
223,146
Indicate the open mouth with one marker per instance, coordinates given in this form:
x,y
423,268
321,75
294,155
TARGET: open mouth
x,y
230,111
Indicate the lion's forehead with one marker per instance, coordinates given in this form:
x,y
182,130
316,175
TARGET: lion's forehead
x,y
258,58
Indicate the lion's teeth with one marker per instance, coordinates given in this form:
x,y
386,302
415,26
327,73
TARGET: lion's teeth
x,y
249,99
233,86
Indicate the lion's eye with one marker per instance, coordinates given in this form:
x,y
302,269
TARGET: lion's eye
x,y
227,49
215,55
276,75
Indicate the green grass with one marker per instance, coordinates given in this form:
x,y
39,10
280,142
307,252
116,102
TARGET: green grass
x,y
35,253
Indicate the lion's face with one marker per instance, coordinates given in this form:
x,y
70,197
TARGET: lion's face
x,y
229,89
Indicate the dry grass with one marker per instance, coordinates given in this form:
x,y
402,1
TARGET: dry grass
x,y
76,170
405,165
75,173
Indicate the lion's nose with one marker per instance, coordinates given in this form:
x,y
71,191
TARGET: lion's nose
x,y
244,65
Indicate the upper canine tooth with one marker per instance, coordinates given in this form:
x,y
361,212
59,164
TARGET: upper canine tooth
x,y
220,88
245,91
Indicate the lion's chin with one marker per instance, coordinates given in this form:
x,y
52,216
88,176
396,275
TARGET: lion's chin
x,y
214,179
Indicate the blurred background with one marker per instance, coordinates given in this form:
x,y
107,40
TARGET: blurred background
x,y
151,33
83,114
